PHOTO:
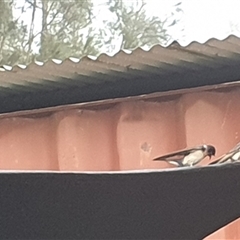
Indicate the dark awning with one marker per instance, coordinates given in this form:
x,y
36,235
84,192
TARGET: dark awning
x,y
170,204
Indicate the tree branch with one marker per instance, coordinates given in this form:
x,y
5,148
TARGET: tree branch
x,y
32,27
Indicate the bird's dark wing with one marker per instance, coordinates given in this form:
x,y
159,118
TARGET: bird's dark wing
x,y
227,156
178,155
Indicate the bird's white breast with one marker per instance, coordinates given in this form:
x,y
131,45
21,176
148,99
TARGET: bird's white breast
x,y
193,158
236,156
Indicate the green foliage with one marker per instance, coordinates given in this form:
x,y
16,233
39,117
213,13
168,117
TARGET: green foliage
x,y
10,45
63,26
136,28
60,29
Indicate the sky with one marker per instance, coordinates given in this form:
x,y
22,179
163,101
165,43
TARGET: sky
x,y
201,20
206,19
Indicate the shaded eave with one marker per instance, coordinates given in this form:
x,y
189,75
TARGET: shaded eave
x,y
128,73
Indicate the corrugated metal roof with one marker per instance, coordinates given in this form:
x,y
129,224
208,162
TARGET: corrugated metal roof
x,y
128,73
158,60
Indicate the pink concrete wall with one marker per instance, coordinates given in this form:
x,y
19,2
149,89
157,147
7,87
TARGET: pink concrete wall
x,y
28,144
144,130
231,231
212,117
87,140
125,136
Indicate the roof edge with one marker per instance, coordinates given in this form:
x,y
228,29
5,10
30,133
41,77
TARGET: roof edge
x,y
173,43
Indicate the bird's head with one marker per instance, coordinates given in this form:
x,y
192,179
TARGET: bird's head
x,y
210,150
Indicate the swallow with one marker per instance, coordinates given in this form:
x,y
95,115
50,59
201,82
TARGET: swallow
x,y
188,157
232,156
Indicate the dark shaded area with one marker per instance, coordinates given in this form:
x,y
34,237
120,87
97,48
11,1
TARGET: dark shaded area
x,y
181,204
130,83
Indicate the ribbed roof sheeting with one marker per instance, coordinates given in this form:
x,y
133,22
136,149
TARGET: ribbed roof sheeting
x,y
127,73
125,64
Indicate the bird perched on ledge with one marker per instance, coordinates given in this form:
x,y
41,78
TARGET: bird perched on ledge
x,y
232,156
188,157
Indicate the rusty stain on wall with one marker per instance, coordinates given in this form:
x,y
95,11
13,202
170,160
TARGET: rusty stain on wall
x,y
123,136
